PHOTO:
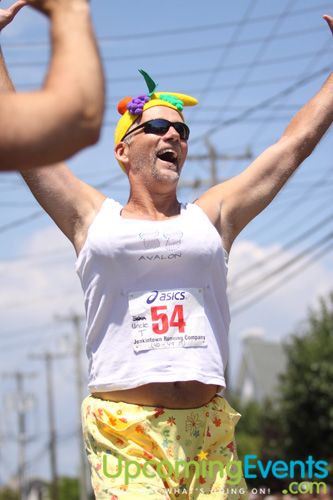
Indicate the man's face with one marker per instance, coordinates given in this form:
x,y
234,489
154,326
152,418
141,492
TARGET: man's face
x,y
157,157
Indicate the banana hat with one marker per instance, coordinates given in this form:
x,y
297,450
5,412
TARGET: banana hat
x,y
131,108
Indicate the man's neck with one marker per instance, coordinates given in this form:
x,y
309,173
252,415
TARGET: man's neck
x,y
157,207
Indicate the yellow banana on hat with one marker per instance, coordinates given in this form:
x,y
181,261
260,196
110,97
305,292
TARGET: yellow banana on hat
x,y
131,108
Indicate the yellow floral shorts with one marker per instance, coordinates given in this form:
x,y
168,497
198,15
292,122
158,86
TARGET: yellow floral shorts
x,y
142,452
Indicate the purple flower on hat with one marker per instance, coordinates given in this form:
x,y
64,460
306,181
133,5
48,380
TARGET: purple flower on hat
x,y
135,106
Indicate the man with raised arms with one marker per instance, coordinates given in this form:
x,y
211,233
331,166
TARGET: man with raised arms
x,y
154,277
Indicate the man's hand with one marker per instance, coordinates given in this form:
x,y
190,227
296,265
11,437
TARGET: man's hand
x,y
7,15
329,20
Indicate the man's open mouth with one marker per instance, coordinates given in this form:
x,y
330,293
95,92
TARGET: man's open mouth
x,y
169,156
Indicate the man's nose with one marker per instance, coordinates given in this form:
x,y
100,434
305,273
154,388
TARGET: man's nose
x,y
171,133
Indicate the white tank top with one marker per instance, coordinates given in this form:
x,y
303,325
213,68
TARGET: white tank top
x,y
155,299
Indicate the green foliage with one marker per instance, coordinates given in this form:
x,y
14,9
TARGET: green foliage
x,y
307,388
68,488
299,421
9,494
248,428
248,444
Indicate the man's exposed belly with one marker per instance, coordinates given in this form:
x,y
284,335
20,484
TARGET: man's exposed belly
x,y
190,394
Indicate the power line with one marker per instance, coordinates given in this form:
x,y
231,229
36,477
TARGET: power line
x,y
188,72
37,337
255,60
309,67
170,32
220,63
290,197
212,155
288,90
268,259
197,71
21,221
8,335
181,51
111,123
303,184
32,257
300,200
39,299
283,281
283,267
255,83
35,459
15,204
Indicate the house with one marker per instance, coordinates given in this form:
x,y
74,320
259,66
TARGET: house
x,y
37,490
261,364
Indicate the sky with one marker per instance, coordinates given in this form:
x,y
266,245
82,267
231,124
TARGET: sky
x,y
252,65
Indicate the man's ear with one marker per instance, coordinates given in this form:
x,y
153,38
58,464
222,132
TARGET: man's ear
x,y
121,153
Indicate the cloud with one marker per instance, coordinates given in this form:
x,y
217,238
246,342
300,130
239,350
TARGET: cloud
x,y
32,292
34,289
281,312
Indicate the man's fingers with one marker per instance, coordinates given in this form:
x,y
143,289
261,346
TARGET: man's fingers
x,y
329,20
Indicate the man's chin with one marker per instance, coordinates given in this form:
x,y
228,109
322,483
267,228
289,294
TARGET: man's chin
x,y
167,175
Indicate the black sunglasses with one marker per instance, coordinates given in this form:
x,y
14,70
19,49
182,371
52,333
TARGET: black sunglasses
x,y
160,126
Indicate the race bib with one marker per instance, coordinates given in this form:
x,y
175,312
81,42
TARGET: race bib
x,y
164,319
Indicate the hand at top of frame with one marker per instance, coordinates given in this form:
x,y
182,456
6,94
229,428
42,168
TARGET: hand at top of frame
x,y
48,7
329,20
7,15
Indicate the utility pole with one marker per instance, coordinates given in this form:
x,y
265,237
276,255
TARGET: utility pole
x,y
22,405
213,156
212,180
48,358
76,319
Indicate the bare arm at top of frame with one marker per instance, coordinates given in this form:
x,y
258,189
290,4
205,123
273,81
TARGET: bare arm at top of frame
x,y
65,115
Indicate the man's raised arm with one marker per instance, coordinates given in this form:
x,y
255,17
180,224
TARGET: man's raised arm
x,y
65,115
234,203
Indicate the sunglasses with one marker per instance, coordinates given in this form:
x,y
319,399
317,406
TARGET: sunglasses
x,y
160,126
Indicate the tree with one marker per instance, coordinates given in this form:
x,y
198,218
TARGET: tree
x,y
68,488
9,494
248,437
306,388
298,420
259,433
